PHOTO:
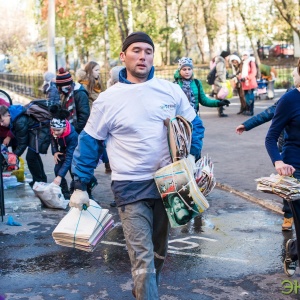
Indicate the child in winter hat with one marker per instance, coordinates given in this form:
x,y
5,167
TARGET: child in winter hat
x,y
50,89
185,62
63,143
63,78
49,76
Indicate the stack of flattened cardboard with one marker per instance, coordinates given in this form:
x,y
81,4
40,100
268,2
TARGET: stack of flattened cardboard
x,y
83,229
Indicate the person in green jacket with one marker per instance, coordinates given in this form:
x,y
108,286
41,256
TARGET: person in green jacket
x,y
192,87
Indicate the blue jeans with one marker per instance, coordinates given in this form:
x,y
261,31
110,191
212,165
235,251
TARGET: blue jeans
x,y
146,229
249,96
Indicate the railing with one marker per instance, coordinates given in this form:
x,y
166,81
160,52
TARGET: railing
x,y
31,85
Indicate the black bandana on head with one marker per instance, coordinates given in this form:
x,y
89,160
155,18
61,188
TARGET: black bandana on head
x,y
136,37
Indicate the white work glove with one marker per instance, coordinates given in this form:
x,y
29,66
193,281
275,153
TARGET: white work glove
x,y
79,198
191,163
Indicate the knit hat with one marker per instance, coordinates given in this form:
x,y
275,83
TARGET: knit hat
x,y
185,62
296,77
136,37
63,78
58,123
4,102
114,75
234,57
224,54
59,116
48,76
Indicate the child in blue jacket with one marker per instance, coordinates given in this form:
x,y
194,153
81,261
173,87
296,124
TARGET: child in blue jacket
x,y
63,143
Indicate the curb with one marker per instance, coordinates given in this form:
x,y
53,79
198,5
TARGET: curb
x,y
269,204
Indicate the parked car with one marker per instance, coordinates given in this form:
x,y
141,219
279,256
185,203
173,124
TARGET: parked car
x,y
281,50
263,51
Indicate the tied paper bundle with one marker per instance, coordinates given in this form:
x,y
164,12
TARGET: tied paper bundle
x,y
83,229
204,175
180,194
283,186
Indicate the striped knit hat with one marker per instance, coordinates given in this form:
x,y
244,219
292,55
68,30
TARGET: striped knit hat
x,y
63,78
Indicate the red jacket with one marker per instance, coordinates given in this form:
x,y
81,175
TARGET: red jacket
x,y
250,80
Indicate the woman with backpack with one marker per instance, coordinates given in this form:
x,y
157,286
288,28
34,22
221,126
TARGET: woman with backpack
x,y
29,133
192,87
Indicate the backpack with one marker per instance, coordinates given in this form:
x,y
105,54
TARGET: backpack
x,y
210,79
38,109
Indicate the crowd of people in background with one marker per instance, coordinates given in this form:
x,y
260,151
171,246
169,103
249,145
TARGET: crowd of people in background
x,y
85,120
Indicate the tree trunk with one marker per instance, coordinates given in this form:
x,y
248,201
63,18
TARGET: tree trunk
x,y
106,37
197,33
167,49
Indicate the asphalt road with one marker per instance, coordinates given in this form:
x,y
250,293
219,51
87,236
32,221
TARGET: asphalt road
x,y
233,251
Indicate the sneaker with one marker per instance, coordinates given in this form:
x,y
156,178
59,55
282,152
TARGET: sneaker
x,y
222,115
289,266
287,224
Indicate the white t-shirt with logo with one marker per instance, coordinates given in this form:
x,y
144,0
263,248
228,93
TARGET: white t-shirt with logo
x,y
131,118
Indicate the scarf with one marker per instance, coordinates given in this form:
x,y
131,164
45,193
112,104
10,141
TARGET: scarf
x,y
68,103
186,87
245,69
96,88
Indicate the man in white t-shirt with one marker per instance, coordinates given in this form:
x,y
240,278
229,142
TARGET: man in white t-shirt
x,y
130,116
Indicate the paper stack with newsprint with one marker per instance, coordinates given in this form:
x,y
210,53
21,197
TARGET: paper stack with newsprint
x,y
83,229
284,186
181,196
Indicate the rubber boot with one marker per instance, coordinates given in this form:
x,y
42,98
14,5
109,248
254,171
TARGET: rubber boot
x,y
221,112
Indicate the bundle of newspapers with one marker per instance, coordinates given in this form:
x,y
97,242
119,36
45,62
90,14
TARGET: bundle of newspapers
x,y
283,186
83,229
204,175
180,194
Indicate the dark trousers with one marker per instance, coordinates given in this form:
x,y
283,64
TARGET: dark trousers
x,y
241,95
64,184
295,208
104,156
220,110
35,166
286,209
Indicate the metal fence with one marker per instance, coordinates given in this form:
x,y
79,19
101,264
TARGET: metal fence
x,y
31,85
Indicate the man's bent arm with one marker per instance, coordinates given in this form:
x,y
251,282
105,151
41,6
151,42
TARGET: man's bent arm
x,y
85,158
